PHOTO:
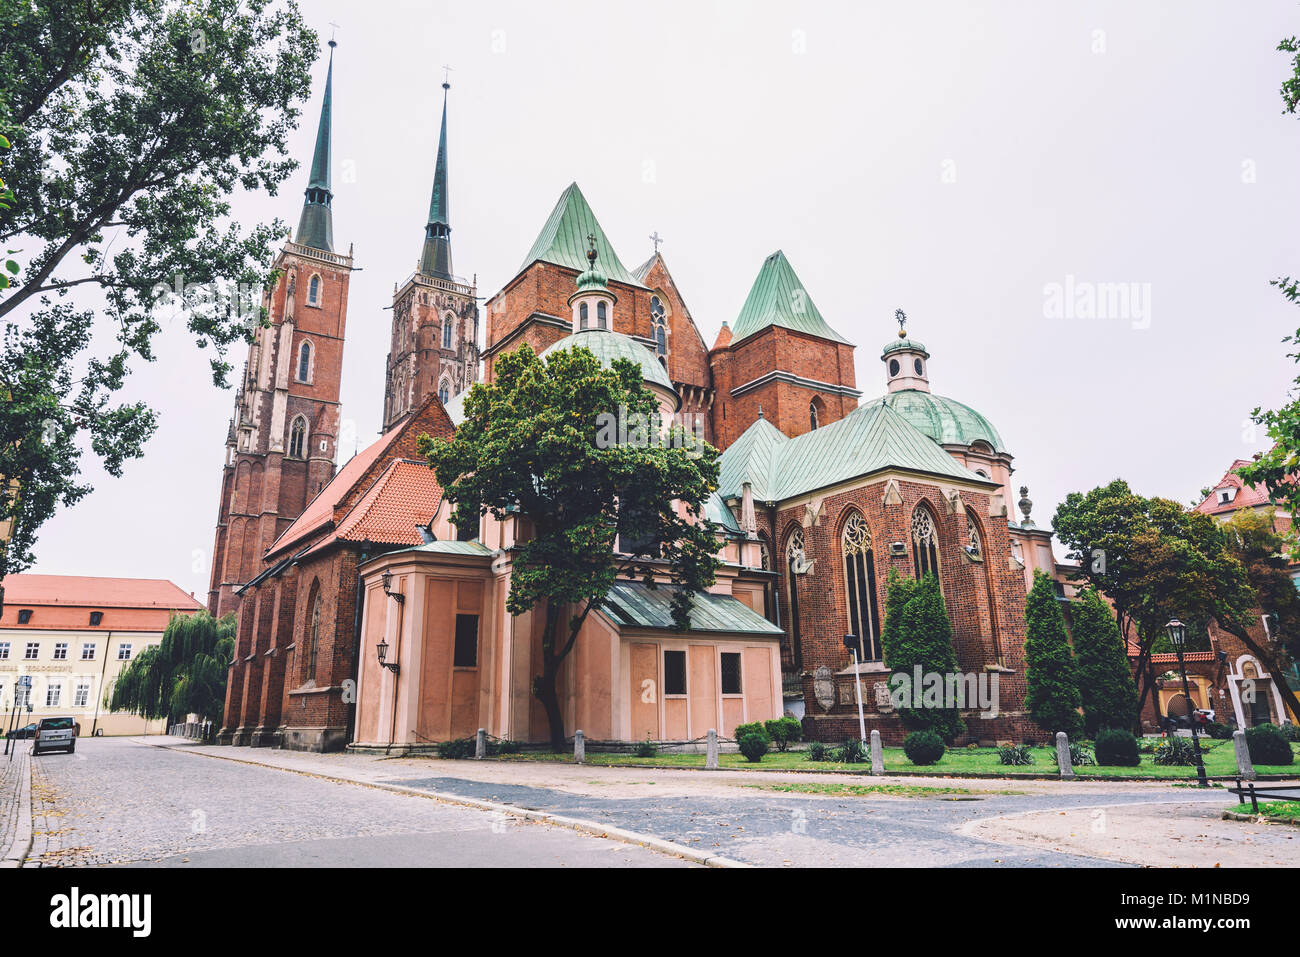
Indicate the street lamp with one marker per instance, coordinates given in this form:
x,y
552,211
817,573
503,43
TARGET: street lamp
x,y
382,650
1178,638
851,643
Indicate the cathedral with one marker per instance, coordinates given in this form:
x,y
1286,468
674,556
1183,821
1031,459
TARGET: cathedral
x,y
368,620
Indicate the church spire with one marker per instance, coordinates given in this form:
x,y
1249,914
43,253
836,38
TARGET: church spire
x,y
435,259
316,225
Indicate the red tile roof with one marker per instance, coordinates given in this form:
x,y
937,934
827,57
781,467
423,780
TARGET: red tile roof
x,y
90,592
1248,496
405,497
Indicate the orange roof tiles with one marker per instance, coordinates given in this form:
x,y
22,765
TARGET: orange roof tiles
x,y
64,602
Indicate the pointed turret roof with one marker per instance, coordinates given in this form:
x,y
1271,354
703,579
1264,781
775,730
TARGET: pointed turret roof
x,y
778,298
435,258
563,240
316,224
724,337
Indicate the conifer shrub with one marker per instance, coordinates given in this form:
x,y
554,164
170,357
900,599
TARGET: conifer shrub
x,y
923,747
917,632
1268,745
1117,748
1051,673
753,747
1105,681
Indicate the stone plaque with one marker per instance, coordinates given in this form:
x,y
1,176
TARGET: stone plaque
x,y
824,688
847,695
882,697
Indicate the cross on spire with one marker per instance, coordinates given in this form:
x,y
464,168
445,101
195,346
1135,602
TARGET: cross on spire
x,y
655,238
446,77
334,28
901,318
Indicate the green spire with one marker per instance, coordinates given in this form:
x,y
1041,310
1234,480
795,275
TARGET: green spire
x,y
435,259
778,298
316,225
563,240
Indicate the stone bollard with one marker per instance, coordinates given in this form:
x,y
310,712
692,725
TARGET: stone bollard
x,y
1244,766
877,754
1063,755
480,744
711,750
579,748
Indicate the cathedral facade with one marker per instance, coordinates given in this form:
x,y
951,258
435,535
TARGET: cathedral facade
x,y
371,621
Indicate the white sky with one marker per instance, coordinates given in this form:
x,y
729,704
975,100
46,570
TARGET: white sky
x,y
737,128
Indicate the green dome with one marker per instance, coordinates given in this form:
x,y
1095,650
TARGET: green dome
x,y
947,421
608,346
901,345
592,278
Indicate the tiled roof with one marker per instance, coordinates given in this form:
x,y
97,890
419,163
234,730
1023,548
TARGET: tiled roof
x,y
869,439
563,239
634,604
403,498
778,298
1248,496
93,592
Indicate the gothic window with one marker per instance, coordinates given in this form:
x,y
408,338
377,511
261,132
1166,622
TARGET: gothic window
x,y
812,415
446,331
313,291
764,555
304,362
601,315
444,391
582,315
794,558
659,318
974,544
313,636
297,437
925,543
860,586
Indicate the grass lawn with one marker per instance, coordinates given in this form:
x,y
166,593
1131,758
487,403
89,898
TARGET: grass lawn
x,y
1218,756
1285,810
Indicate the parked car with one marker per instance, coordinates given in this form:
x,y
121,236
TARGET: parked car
x,y
55,734
24,732
1202,716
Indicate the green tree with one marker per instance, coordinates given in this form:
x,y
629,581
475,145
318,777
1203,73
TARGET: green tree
x,y
528,443
917,632
1105,681
1051,674
185,673
131,124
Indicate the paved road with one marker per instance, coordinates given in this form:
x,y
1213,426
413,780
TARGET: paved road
x,y
117,801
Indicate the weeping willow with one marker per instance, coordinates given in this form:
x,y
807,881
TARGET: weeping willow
x,y
184,674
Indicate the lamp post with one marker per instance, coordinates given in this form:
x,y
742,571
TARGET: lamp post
x,y
1178,638
851,643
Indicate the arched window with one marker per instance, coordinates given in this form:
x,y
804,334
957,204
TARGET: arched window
x,y
297,437
446,331
313,291
812,415
860,587
444,391
602,315
974,541
925,543
582,315
659,319
313,636
794,559
304,362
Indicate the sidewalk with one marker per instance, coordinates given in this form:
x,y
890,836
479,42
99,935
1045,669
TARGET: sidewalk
x,y
15,804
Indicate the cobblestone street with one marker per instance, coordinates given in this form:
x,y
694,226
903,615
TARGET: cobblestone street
x,y
119,801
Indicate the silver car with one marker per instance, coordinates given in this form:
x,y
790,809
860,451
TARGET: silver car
x,y
55,734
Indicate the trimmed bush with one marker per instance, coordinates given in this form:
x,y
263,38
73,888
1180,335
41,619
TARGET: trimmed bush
x,y
1051,674
1105,680
923,747
646,749
1268,745
754,727
1175,752
818,751
1291,732
783,731
457,749
1117,748
753,747
852,751
1219,731
1017,755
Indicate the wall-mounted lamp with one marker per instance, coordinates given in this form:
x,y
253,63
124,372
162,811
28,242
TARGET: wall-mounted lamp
x,y
387,580
382,650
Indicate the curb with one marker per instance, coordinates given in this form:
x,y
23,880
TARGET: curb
x,y
21,845
622,835
1260,819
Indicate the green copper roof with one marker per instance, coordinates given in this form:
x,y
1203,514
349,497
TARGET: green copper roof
x,y
869,439
778,298
636,605
438,201
717,512
904,345
947,421
608,346
316,224
563,240
452,548
435,256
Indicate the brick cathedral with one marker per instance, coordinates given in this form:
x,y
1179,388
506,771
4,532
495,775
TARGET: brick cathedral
x,y
822,495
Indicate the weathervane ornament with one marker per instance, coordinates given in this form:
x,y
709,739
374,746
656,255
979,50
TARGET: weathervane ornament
x,y
901,317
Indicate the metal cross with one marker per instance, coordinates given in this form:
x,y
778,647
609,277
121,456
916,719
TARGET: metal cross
x,y
654,238
901,316
336,27
446,74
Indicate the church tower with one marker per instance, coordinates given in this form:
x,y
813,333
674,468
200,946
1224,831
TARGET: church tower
x,y
434,346
280,448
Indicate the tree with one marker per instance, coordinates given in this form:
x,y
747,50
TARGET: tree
x,y
1253,538
917,633
1051,674
131,122
528,442
1106,686
184,674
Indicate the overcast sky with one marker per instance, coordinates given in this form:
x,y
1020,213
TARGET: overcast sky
x,y
954,160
